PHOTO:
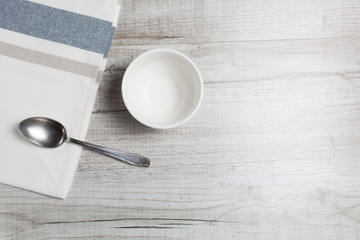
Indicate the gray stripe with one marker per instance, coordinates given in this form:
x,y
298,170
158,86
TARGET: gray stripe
x,y
49,60
56,25
108,47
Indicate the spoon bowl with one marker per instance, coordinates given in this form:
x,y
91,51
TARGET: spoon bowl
x,y
43,131
46,132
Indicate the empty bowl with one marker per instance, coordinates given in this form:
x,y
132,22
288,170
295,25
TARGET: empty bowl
x,y
162,88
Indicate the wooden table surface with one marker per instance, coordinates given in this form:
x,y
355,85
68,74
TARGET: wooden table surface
x,y
273,153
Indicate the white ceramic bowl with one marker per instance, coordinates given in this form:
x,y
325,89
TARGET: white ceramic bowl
x,y
162,88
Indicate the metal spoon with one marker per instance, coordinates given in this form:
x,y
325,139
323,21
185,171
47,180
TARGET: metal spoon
x,y
49,133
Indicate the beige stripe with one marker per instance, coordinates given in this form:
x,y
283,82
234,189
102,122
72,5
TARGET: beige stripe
x,y
99,76
48,60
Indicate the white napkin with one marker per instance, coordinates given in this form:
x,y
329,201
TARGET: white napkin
x,y
49,68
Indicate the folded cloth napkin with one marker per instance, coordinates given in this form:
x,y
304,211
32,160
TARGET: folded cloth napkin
x,y
52,54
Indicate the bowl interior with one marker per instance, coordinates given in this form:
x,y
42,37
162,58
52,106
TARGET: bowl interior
x,y
162,89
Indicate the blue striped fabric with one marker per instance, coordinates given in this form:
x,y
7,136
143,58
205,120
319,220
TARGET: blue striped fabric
x,y
57,25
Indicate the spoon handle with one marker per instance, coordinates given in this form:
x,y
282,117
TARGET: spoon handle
x,y
131,158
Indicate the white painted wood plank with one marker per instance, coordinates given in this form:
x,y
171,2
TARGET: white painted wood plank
x,y
243,62
165,21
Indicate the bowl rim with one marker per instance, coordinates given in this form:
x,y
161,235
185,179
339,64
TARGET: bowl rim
x,y
194,68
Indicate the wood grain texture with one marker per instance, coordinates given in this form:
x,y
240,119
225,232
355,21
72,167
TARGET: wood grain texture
x,y
273,152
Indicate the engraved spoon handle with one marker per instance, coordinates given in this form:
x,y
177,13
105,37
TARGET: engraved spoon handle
x,y
131,158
